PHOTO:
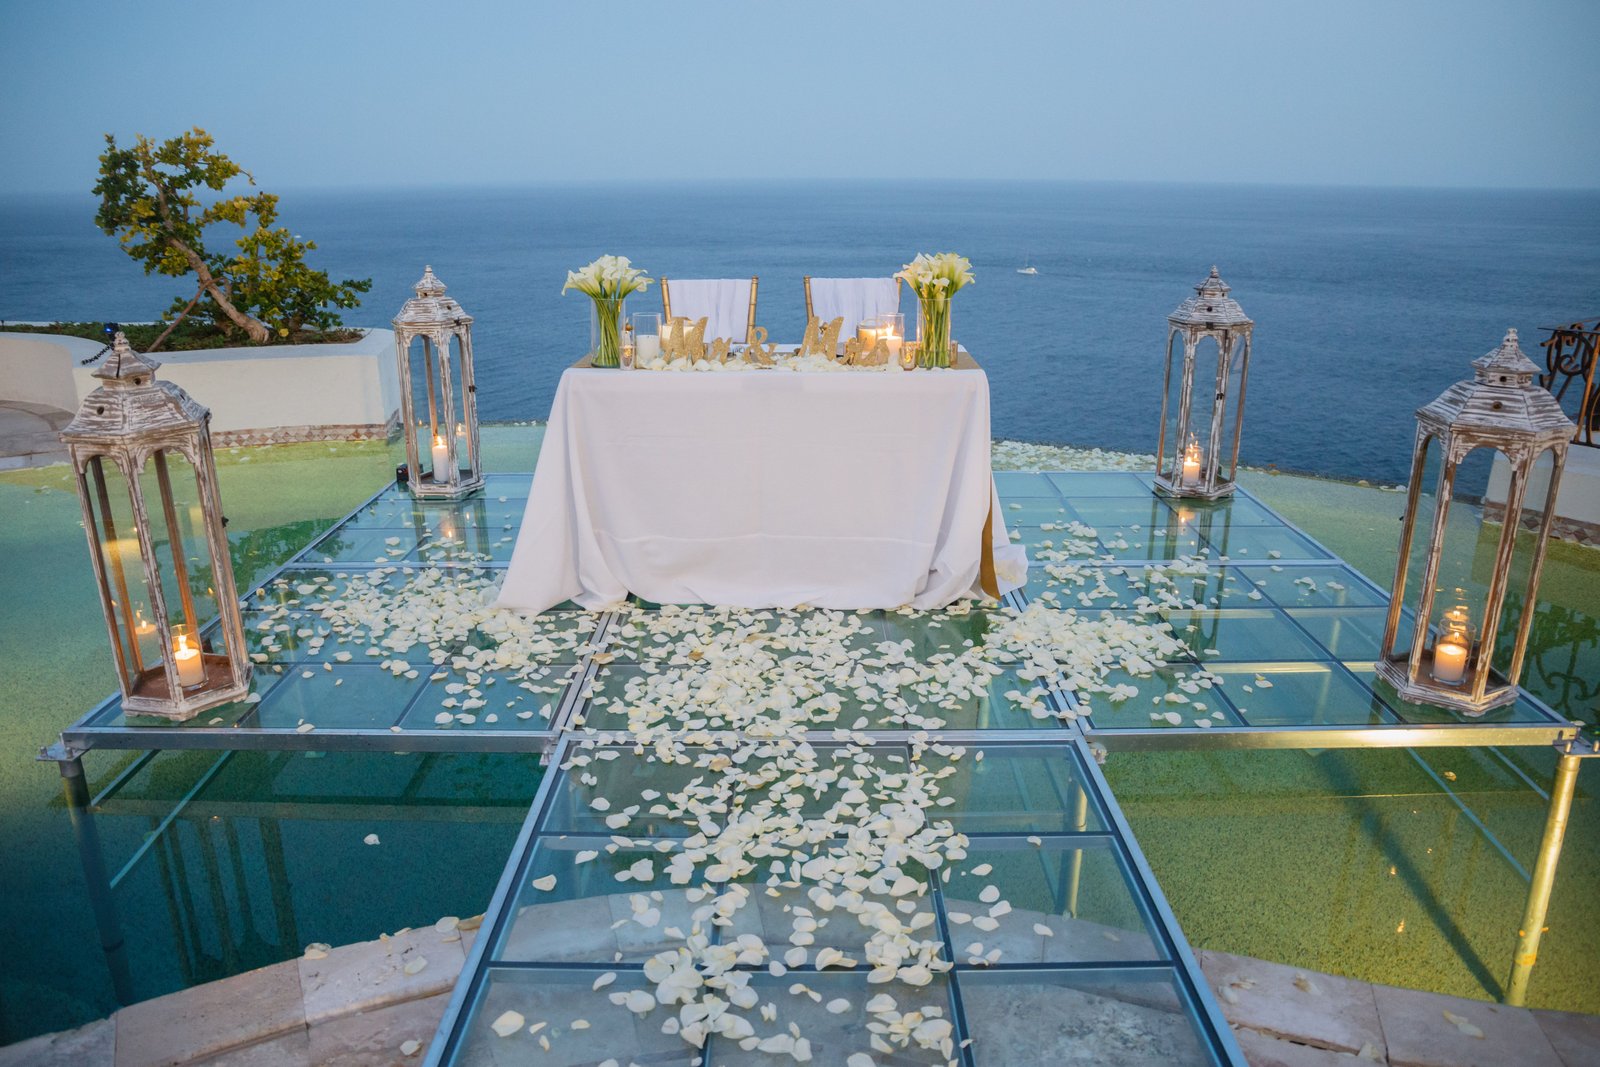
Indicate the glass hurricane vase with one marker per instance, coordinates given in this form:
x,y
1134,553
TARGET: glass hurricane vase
x,y
605,331
933,331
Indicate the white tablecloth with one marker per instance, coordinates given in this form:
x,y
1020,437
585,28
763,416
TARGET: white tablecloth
x,y
849,490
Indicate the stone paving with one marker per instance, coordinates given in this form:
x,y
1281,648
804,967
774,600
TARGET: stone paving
x,y
30,434
361,1005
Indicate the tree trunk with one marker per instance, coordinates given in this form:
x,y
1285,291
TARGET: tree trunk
x,y
255,330
198,293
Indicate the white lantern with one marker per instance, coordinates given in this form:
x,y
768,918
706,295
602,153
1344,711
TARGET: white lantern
x,y
438,396
141,449
1202,400
1448,653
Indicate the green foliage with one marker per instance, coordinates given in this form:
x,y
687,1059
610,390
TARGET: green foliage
x,y
152,199
190,335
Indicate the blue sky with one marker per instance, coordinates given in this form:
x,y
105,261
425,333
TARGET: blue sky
x,y
351,93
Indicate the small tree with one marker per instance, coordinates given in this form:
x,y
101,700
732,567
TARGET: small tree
x,y
150,201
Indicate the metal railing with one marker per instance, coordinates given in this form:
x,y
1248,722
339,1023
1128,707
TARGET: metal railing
x,y
1569,359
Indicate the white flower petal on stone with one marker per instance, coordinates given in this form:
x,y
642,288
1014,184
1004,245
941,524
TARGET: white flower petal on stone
x,y
545,884
507,1023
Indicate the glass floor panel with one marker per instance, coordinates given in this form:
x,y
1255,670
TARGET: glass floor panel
x,y
1243,636
1262,542
1171,541
1045,1017
1313,586
614,908
1146,511
1093,483
1350,633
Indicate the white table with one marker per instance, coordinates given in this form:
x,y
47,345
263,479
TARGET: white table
x,y
771,488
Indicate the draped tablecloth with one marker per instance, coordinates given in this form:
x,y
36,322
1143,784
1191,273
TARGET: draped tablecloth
x,y
772,488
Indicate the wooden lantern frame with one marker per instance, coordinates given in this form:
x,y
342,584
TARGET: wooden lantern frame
x,y
131,421
436,320
1501,409
1210,313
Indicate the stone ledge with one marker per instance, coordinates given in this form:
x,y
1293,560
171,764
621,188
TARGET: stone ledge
x,y
1338,1014
357,1006
1584,533
372,974
93,1045
1420,1034
292,435
197,1023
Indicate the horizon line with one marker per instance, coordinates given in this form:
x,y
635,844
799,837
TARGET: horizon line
x,y
634,183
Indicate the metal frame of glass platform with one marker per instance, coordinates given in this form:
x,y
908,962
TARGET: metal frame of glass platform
x,y
345,550
1148,970
1256,570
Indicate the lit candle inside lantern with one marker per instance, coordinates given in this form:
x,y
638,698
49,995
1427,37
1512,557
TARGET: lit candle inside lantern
x,y
1449,660
1454,644
441,459
868,336
189,661
1193,459
141,625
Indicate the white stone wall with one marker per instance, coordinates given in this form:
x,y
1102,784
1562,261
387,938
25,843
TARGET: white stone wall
x,y
37,369
1577,499
250,391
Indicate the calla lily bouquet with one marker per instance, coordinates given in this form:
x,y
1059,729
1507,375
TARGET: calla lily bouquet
x,y
942,274
608,281
935,279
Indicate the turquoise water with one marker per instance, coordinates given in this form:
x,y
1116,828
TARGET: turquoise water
x,y
1354,862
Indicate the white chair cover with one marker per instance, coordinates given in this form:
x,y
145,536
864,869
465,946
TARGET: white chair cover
x,y
723,302
853,299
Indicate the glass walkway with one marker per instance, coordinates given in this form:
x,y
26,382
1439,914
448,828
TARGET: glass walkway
x,y
905,853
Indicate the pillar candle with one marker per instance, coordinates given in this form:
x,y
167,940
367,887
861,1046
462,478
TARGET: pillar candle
x,y
190,663
1191,468
1449,662
441,459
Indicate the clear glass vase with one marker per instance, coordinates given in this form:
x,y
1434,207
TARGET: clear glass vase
x,y
933,331
605,331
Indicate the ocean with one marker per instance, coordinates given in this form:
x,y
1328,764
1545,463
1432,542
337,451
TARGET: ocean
x,y
1368,302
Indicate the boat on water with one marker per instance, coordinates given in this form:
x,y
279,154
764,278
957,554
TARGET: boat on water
x,y
1027,267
